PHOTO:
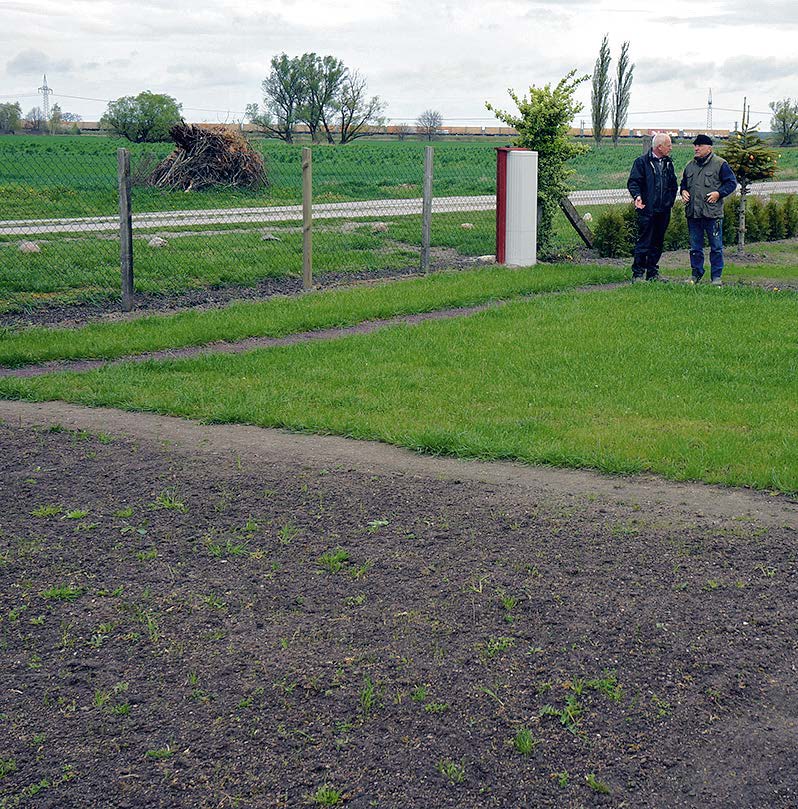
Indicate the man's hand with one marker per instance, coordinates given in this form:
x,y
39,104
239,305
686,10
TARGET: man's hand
x,y
713,196
685,195
639,204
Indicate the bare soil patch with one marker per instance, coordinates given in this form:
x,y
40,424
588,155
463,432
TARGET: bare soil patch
x,y
204,616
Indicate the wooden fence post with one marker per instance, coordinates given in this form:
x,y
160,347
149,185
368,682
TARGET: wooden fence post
x,y
307,218
426,209
125,228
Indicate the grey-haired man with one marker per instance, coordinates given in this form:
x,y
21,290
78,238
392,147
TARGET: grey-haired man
x,y
652,184
707,179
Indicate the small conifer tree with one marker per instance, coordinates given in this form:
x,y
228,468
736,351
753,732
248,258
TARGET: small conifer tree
x,y
751,160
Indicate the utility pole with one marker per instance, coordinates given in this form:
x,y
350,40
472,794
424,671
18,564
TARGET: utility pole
x,y
709,111
46,91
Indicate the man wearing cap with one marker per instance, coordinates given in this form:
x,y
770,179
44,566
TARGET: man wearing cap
x,y
707,179
652,184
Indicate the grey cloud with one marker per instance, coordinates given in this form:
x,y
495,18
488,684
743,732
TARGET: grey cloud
x,y
657,71
751,70
33,61
213,75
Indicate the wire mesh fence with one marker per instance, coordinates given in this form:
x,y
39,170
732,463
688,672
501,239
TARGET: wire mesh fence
x,y
60,221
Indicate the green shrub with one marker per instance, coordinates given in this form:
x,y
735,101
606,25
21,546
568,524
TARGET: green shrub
x,y
676,236
774,214
612,236
790,216
731,217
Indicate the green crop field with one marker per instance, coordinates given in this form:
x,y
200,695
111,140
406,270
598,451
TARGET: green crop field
x,y
76,176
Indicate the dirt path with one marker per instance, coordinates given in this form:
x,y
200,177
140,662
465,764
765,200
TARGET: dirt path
x,y
260,445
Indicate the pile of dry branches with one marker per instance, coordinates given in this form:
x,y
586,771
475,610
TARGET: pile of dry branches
x,y
204,157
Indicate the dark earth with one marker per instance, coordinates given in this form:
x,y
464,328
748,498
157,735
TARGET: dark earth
x,y
222,616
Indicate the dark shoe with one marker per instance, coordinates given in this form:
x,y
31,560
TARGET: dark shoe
x,y
657,277
636,278
716,282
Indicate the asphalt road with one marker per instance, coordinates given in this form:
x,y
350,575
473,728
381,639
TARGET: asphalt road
x,y
293,213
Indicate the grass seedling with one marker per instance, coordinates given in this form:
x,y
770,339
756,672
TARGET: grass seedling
x,y
327,796
333,561
419,693
663,707
229,548
7,766
49,510
569,715
452,770
62,593
509,603
596,785
375,526
124,512
168,499
287,533
607,685
562,778
160,753
76,514
524,742
494,646
369,699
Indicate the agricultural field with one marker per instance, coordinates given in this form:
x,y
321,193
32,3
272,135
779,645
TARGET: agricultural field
x,y
76,176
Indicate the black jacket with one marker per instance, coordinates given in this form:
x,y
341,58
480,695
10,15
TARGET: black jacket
x,y
642,183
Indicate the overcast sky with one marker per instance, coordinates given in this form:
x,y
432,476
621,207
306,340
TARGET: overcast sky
x,y
416,54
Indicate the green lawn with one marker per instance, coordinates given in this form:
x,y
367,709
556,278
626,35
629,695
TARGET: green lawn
x,y
280,316
693,384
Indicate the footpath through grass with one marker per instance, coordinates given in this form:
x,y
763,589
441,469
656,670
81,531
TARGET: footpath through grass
x,y
280,316
693,384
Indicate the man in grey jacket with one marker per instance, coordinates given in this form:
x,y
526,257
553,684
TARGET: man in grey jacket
x,y
707,179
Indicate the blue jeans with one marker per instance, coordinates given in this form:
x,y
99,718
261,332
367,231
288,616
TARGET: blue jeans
x,y
713,228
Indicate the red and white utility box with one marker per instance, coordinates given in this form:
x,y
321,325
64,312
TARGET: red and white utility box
x,y
516,206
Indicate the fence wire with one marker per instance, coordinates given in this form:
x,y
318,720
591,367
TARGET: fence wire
x,y
59,220
59,231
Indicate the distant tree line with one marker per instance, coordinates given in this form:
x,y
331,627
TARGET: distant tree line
x,y
12,120
320,92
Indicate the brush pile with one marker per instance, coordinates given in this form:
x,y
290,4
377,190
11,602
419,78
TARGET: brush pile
x,y
207,157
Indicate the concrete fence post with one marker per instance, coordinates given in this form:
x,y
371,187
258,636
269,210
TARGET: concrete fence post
x,y
125,228
307,218
426,209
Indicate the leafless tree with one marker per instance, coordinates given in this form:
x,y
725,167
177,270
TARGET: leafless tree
x,y
428,123
403,130
34,120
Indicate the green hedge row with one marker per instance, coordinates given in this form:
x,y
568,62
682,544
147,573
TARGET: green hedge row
x,y
616,228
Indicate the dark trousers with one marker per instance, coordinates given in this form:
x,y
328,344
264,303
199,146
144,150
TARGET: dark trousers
x,y
648,247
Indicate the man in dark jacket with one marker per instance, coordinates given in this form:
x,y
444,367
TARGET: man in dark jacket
x,y
652,184
707,179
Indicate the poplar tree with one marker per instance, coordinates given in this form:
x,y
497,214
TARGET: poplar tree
x,y
622,92
600,91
